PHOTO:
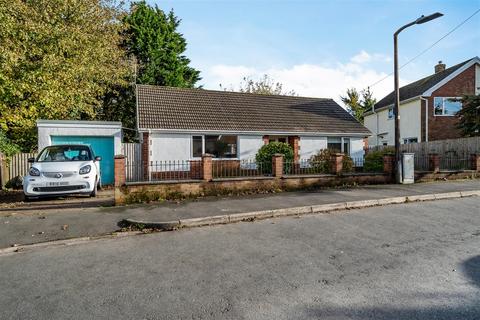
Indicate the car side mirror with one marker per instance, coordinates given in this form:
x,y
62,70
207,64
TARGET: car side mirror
x,y
98,158
31,160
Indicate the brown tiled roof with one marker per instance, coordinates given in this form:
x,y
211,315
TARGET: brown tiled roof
x,y
203,110
418,87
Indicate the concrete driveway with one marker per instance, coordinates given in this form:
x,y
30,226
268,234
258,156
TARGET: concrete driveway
x,y
409,261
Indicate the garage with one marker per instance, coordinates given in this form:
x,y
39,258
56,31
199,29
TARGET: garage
x,y
104,137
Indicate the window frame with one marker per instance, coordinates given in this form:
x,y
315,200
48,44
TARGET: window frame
x,y
407,140
443,106
203,146
342,144
388,113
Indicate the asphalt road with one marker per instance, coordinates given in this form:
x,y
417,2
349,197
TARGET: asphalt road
x,y
409,261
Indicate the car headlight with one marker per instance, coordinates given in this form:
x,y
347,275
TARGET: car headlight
x,y
34,172
85,169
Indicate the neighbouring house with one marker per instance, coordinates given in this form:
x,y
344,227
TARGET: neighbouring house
x,y
183,124
427,108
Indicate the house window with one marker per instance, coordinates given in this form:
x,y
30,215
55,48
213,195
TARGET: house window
x,y
197,146
339,144
346,145
277,139
446,106
390,113
410,140
334,144
220,146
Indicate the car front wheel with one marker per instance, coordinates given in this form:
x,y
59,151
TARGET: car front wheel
x,y
95,188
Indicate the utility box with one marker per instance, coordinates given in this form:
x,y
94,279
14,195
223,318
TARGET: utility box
x,y
408,168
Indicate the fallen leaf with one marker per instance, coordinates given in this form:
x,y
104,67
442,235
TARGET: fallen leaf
x,y
65,227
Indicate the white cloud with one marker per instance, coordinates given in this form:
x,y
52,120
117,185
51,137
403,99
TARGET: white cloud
x,y
362,57
308,79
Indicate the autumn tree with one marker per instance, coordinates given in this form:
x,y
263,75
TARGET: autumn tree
x,y
469,116
358,103
264,85
57,60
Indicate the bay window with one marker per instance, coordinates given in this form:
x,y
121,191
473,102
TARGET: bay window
x,y
220,146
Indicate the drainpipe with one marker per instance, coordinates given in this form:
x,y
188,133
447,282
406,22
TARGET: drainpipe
x,y
426,117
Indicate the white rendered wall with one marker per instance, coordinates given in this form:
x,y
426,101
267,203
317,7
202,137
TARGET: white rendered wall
x,y
170,147
248,146
410,120
356,148
311,145
370,123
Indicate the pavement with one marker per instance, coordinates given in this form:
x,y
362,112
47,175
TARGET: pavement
x,y
23,227
408,261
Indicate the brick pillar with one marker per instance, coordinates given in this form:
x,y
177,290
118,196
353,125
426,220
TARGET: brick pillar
x,y
146,155
207,167
119,169
294,142
475,161
266,139
277,165
388,164
336,163
433,162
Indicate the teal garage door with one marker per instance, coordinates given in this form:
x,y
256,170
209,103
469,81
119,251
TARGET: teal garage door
x,y
102,146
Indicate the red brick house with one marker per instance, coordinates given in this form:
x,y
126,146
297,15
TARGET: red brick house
x,y
427,111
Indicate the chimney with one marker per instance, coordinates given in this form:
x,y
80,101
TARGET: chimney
x,y
440,67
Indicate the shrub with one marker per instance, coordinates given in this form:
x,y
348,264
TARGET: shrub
x,y
374,160
322,161
266,152
7,147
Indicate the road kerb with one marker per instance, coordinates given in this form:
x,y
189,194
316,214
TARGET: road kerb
x,y
66,242
421,197
448,195
329,207
361,204
470,193
393,200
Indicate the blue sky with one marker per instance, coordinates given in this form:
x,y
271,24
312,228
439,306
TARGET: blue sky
x,y
320,48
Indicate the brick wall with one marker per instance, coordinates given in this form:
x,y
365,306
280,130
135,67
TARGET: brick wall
x,y
441,127
293,141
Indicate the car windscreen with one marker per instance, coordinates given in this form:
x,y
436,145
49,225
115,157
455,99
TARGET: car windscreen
x,y
65,153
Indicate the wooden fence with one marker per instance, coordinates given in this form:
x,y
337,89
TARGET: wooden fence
x,y
16,166
462,147
133,164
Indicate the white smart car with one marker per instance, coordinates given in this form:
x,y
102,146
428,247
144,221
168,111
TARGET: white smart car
x,y
63,169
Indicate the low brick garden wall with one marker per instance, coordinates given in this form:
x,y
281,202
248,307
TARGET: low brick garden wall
x,y
207,185
146,192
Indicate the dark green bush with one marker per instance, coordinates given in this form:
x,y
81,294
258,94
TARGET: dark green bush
x,y
322,161
265,153
374,160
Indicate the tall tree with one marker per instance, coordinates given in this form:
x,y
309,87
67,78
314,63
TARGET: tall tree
x,y
469,116
358,103
156,51
158,47
264,85
57,59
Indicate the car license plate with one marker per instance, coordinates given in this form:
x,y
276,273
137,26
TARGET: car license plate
x,y
57,184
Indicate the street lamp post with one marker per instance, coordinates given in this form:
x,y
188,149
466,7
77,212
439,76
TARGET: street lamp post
x,y
396,109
